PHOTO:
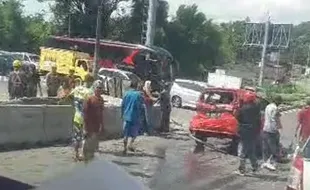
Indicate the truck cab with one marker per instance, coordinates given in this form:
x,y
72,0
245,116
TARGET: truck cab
x,y
64,60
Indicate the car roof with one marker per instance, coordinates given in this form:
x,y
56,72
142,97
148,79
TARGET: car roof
x,y
115,70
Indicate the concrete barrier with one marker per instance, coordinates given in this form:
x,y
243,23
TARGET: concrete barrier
x,y
31,124
44,124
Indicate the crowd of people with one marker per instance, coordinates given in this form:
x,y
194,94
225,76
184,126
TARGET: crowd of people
x,y
249,118
137,105
24,81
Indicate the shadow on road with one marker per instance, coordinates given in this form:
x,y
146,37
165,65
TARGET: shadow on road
x,y
131,154
124,163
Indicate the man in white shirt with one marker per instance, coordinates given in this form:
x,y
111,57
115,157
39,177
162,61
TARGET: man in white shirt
x,y
271,135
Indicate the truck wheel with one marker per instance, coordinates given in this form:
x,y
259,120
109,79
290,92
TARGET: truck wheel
x,y
176,101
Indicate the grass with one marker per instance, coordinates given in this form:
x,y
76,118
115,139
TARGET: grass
x,y
292,94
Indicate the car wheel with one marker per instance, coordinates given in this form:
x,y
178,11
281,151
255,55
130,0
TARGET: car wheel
x,y
176,101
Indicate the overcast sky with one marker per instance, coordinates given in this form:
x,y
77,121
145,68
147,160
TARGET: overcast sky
x,y
281,11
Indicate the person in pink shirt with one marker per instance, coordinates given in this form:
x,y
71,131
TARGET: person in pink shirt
x,y
304,123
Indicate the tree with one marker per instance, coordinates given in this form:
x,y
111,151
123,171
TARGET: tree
x,y
12,26
193,40
81,16
37,31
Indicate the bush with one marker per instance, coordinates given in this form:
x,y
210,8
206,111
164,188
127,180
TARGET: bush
x,y
289,92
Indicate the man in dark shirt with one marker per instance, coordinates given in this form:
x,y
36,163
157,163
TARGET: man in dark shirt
x,y
93,121
165,107
249,125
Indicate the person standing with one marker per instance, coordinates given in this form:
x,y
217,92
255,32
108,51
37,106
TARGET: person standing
x,y
249,123
53,82
93,121
303,127
17,81
69,81
34,82
131,109
165,106
271,135
148,106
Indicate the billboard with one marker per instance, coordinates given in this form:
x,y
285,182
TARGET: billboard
x,y
278,35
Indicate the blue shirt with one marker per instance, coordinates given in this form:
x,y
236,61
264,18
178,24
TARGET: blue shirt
x,y
132,105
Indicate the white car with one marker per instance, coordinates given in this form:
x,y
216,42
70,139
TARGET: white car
x,y
109,73
185,93
300,170
27,58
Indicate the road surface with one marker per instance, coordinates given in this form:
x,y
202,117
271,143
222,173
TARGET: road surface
x,y
210,171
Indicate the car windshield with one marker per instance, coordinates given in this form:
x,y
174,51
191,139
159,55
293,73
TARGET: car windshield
x,y
218,97
191,86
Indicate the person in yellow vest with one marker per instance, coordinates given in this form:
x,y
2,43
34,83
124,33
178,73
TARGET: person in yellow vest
x,y
17,81
80,94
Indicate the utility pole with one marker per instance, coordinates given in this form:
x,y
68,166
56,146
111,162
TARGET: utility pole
x,y
98,36
69,25
262,66
151,23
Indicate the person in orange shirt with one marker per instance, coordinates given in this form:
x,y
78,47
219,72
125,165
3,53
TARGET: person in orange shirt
x,y
303,127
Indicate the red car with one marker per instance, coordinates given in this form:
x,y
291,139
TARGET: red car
x,y
216,109
299,178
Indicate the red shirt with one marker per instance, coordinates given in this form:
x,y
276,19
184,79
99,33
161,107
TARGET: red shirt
x,y
147,99
93,114
304,120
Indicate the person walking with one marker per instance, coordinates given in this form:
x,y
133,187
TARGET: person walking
x,y
17,81
249,124
303,127
148,106
53,82
271,134
79,95
132,106
93,121
165,107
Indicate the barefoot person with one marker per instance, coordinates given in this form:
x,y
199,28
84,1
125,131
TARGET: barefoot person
x,y
93,121
132,106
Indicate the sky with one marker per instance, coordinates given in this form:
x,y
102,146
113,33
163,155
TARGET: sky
x,y
281,11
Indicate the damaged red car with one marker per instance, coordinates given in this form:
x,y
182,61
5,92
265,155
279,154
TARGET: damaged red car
x,y
216,109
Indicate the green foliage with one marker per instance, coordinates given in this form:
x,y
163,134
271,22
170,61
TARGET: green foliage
x,y
196,42
20,33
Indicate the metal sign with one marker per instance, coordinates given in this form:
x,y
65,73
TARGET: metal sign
x,y
278,36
